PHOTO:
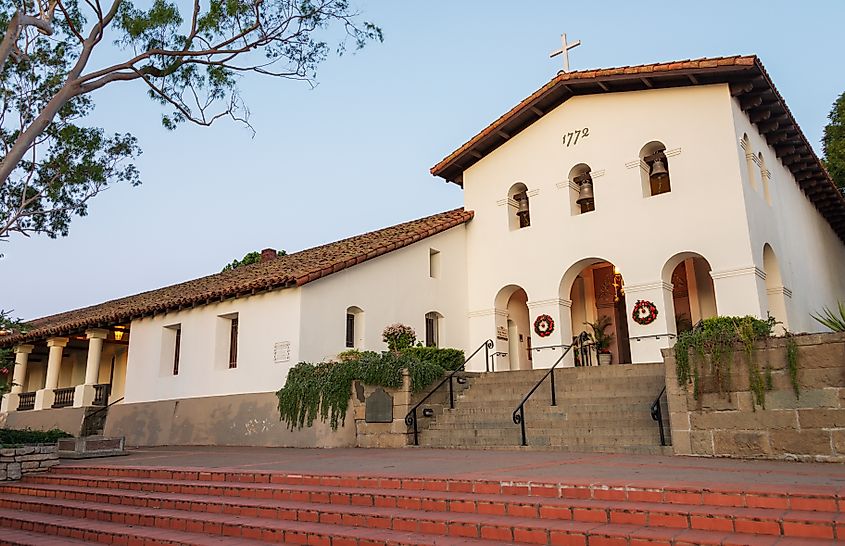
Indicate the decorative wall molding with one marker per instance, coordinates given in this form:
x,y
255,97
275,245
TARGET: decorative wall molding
x,y
487,313
645,287
739,272
779,291
551,301
507,201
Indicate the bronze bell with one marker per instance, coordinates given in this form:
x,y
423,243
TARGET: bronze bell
x,y
659,173
522,204
585,191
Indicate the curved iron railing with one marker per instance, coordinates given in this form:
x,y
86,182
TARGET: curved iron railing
x,y
519,412
657,415
411,417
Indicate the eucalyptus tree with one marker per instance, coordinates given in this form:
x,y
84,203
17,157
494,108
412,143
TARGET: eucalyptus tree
x,y
189,56
833,142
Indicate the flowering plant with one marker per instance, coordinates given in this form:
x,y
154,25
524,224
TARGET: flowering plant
x,y
398,337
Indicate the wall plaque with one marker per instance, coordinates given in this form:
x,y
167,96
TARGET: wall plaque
x,y
379,407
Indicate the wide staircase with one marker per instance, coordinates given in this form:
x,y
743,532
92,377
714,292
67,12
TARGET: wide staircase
x,y
597,408
151,506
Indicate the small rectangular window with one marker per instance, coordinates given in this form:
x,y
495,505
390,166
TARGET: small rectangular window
x,y
176,351
433,263
233,344
431,327
350,330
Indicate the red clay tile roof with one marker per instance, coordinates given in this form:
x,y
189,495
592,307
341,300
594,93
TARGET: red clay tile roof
x,y
749,83
283,272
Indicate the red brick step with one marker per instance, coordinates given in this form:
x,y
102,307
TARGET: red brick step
x,y
349,503
824,499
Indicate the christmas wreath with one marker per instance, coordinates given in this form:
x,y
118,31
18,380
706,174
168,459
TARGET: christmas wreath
x,y
645,312
544,325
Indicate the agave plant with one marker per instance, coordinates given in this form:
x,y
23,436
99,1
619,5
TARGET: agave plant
x,y
830,319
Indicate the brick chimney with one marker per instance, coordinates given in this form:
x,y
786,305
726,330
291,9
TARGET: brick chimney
x,y
268,254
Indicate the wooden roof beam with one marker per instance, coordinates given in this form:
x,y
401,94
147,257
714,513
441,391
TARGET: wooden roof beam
x,y
740,88
750,101
759,114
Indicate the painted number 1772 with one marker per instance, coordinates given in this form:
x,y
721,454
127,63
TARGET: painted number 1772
x,y
571,138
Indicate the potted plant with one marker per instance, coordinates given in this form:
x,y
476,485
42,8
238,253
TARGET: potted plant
x,y
602,338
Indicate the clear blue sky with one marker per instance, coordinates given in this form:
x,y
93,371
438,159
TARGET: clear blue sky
x,y
353,154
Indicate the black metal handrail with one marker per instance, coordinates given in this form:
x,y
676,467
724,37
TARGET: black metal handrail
x,y
26,401
411,417
519,412
657,415
101,410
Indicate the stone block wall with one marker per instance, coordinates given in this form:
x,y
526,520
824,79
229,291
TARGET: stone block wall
x,y
384,434
20,460
808,427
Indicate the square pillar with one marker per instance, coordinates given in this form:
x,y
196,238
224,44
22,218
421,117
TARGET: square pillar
x,y
22,353
84,395
646,340
9,403
561,333
740,292
44,399
483,326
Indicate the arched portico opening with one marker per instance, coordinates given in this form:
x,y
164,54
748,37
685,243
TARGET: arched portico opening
x,y
513,331
775,291
595,288
693,293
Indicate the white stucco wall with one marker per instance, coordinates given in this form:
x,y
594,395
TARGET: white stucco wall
x,y
395,287
263,319
810,256
704,213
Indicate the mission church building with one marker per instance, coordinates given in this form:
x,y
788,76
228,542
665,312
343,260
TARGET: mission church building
x,y
654,196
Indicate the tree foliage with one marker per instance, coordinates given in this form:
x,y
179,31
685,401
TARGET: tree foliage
x,y
248,259
190,57
834,142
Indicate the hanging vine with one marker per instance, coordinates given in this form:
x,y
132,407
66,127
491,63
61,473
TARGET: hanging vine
x,y
323,390
717,338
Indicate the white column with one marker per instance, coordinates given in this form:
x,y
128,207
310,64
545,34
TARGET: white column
x,y
84,394
44,397
559,310
22,353
54,361
740,292
648,339
95,350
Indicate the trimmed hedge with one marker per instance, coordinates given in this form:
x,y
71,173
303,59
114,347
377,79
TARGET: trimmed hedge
x,y
448,359
10,436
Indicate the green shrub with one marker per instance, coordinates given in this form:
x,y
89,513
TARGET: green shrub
x,y
448,359
9,436
324,390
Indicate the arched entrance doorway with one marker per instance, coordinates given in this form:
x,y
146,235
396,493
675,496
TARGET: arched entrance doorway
x,y
693,293
513,333
595,288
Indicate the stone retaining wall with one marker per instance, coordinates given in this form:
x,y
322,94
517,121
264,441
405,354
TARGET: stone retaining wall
x,y
808,427
20,460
